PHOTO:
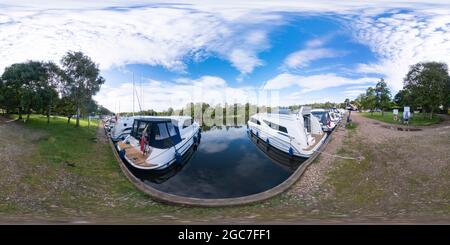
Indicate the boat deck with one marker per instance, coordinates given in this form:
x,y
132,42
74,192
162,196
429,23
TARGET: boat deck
x,y
317,138
135,155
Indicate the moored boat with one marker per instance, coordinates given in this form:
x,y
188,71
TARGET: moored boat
x,y
296,134
157,142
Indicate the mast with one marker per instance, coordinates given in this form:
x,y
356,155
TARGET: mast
x,y
133,93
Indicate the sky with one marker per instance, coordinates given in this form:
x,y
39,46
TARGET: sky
x,y
262,52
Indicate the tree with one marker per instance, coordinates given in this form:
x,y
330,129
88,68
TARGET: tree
x,y
383,96
66,107
403,98
82,80
23,85
50,89
368,100
429,85
105,111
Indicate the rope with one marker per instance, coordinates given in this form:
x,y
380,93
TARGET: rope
x,y
337,156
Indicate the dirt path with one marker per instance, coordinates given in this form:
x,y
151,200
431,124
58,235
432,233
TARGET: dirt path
x,y
16,144
404,176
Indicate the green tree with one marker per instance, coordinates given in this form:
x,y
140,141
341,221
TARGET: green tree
x,y
82,80
50,89
383,96
66,107
368,100
429,85
23,85
403,98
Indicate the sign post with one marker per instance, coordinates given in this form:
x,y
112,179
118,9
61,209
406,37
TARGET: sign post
x,y
406,114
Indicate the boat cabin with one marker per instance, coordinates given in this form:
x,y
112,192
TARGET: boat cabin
x,y
161,133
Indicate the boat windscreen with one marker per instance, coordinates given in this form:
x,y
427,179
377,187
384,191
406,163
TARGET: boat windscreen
x,y
321,115
164,135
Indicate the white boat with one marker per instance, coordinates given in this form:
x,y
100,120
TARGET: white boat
x,y
122,127
296,134
156,142
327,121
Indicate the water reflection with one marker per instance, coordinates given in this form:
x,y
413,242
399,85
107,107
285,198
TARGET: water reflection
x,y
227,163
279,157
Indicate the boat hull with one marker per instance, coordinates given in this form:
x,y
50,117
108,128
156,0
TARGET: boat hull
x,y
283,145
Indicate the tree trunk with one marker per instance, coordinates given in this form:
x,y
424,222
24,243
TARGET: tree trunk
x,y
431,114
28,115
78,117
48,114
20,114
382,113
68,119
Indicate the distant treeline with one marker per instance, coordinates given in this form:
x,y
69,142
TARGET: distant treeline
x,y
226,114
50,89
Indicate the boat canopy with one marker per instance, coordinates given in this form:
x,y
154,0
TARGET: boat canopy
x,y
160,133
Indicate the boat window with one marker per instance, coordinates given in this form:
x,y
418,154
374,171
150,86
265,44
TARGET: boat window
x,y
171,129
161,132
307,123
187,123
276,126
253,120
164,135
135,126
141,128
283,129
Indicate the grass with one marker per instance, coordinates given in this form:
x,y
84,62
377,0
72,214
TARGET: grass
x,y
348,177
83,172
78,177
421,119
351,126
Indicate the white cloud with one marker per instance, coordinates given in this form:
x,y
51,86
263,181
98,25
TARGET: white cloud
x,y
160,95
115,33
353,93
303,58
403,39
244,60
154,34
314,82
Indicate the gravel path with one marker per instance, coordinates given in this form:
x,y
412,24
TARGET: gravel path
x,y
405,175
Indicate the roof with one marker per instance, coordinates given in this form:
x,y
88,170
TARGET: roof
x,y
161,118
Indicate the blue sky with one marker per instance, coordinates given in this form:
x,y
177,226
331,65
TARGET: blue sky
x,y
297,51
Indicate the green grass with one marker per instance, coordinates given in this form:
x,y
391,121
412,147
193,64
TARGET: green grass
x,y
88,169
351,125
347,178
420,119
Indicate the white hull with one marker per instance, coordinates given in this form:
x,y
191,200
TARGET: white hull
x,y
283,143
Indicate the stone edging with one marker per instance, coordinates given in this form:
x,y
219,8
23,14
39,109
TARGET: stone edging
x,y
218,202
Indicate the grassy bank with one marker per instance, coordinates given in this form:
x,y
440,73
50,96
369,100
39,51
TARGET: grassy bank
x,y
70,173
420,119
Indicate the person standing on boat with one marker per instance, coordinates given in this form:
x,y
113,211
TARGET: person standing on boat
x,y
144,140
